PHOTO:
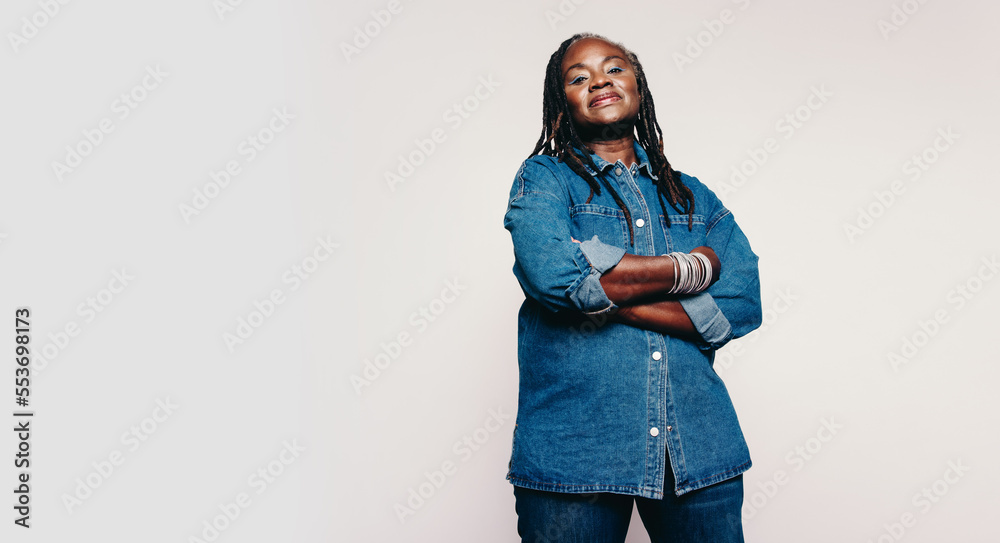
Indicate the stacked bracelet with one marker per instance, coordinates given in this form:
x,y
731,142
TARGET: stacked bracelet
x,y
692,273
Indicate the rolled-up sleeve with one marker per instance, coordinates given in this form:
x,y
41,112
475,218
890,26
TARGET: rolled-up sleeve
x,y
730,308
711,324
551,268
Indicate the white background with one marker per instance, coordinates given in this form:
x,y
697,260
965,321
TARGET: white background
x,y
836,304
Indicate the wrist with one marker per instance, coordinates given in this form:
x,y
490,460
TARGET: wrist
x,y
693,272
621,314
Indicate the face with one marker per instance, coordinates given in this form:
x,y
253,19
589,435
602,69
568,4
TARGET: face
x,y
600,86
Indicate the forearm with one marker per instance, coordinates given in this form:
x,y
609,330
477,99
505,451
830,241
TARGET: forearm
x,y
662,316
635,277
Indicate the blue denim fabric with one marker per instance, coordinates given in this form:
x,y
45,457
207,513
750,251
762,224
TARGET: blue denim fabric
x,y
710,514
603,405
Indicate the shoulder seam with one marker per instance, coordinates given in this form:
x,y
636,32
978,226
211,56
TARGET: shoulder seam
x,y
520,178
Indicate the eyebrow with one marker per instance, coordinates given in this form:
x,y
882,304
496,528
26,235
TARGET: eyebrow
x,y
581,65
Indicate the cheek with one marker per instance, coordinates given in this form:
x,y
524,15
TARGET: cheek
x,y
632,87
576,104
636,99
572,98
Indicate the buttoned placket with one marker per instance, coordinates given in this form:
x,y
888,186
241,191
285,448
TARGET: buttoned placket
x,y
661,414
659,406
641,225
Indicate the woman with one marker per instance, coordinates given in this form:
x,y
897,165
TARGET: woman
x,y
633,274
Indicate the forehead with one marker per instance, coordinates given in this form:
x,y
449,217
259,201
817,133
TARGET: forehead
x,y
590,49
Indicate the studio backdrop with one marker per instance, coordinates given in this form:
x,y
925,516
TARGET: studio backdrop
x,y
257,287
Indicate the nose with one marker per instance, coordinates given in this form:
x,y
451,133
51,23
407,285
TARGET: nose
x,y
599,81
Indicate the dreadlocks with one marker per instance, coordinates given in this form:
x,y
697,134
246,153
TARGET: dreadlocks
x,y
559,138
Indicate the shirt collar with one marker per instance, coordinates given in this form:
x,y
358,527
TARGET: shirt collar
x,y
640,155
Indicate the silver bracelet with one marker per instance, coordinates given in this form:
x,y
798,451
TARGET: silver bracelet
x,y
673,289
692,273
707,277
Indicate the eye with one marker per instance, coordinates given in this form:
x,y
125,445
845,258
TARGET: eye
x,y
576,80
612,70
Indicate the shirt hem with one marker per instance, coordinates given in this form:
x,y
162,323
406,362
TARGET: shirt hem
x,y
713,479
643,492
585,489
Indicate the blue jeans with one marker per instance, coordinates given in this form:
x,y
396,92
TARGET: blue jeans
x,y
707,515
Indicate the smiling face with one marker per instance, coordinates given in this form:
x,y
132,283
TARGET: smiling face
x,y
601,89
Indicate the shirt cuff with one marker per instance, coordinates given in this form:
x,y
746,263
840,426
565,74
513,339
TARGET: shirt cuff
x,y
708,319
601,256
587,291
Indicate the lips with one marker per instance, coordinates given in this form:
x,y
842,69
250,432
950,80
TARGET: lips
x,y
604,98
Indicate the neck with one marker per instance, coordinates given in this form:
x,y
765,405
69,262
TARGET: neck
x,y
612,142
614,150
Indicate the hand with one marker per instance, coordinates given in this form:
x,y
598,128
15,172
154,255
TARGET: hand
x,y
716,264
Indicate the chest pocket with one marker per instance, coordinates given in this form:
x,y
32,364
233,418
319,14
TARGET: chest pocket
x,y
607,223
679,238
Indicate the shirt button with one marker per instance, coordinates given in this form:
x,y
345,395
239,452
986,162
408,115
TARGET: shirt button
x,y
654,431
618,171
639,222
669,428
656,355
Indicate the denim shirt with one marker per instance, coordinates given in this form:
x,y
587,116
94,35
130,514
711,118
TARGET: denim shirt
x,y
602,405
